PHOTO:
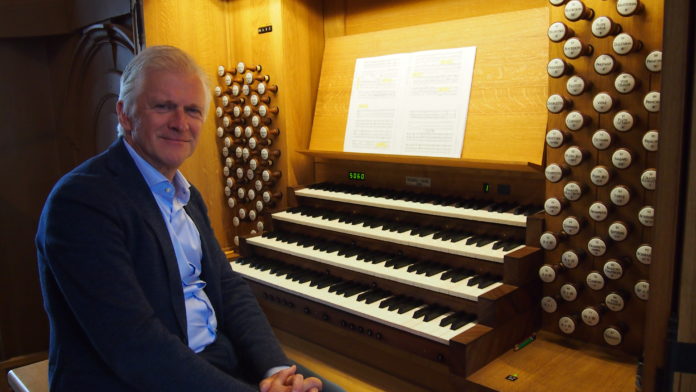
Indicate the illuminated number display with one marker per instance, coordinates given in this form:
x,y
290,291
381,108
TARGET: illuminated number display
x,y
356,176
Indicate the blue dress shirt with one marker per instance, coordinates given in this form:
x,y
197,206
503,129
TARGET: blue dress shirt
x,y
171,198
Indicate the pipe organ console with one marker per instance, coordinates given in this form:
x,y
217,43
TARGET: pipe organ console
x,y
433,282
439,277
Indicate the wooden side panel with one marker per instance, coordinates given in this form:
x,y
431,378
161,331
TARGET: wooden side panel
x,y
201,32
506,115
363,16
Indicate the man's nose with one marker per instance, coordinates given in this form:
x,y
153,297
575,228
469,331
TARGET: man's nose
x,y
178,120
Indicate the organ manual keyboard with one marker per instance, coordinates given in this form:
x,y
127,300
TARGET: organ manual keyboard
x,y
401,280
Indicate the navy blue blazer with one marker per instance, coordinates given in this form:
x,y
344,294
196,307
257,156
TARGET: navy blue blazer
x,y
113,293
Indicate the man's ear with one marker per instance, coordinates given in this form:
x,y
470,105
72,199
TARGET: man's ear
x,y
123,117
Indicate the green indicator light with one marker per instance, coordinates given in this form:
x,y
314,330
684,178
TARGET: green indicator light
x,y
486,188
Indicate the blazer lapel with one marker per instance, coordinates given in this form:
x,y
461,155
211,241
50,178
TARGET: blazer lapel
x,y
126,173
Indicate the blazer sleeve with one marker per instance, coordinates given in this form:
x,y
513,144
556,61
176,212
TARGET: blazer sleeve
x,y
84,239
240,318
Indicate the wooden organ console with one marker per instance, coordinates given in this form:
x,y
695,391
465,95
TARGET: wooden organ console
x,y
430,268
400,279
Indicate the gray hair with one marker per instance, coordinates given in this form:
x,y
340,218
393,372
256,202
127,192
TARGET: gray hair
x,y
157,58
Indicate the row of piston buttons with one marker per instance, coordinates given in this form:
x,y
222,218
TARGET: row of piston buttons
x,y
278,299
576,10
605,64
601,140
602,102
360,329
237,110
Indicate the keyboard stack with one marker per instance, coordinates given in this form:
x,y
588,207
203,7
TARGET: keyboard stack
x,y
399,280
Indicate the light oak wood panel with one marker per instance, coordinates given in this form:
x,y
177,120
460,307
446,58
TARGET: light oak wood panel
x,y
198,30
553,364
507,117
367,15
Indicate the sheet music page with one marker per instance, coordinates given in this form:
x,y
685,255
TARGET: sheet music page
x,y
411,103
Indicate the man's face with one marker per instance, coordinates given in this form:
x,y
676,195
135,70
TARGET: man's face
x,y
166,119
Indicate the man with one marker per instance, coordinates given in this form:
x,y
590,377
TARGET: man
x,y
138,292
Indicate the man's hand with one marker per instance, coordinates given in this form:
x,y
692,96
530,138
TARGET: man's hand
x,y
287,380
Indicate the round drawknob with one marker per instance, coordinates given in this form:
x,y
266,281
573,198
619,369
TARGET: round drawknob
x,y
615,301
548,272
620,195
603,26
567,324
601,139
624,44
572,225
591,315
553,206
653,61
613,335
576,120
576,10
644,254
558,67
604,64
618,231
597,246
559,31
603,102
621,158
646,216
642,289
556,103
650,139
573,190
628,7
614,268
623,121
600,175
573,48
569,291
576,85
550,240
549,304
649,179
598,211
625,83
556,137
651,101
595,281
571,258
554,172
